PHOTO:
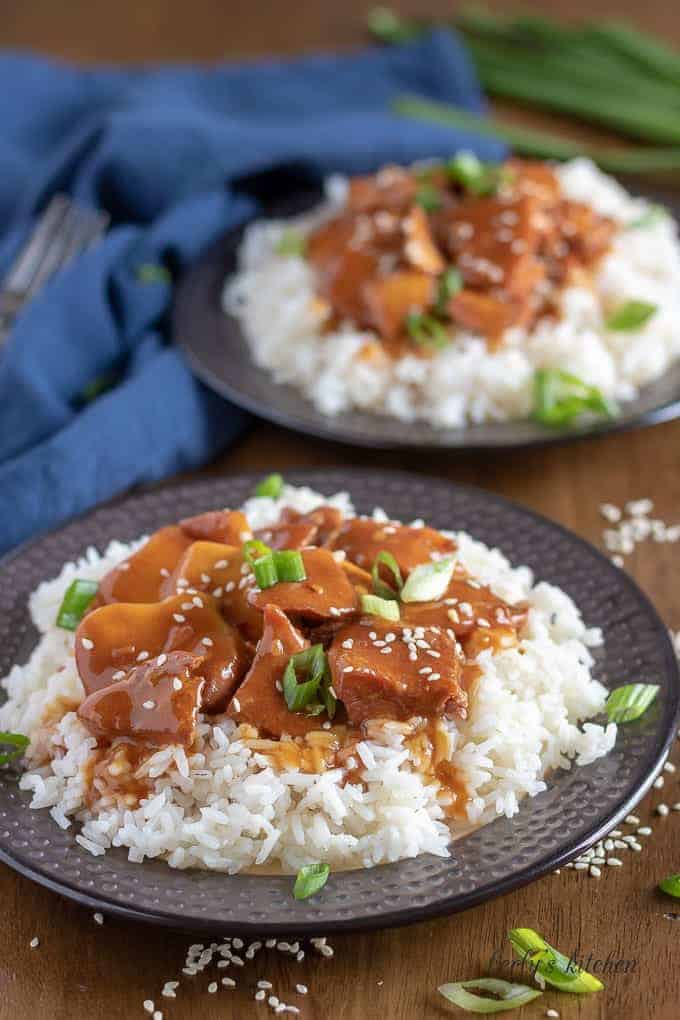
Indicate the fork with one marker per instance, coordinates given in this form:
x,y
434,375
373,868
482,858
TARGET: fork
x,y
64,230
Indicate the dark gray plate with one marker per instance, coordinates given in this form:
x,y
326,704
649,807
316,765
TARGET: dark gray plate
x,y
218,353
578,808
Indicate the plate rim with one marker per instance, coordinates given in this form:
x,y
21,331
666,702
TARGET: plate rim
x,y
443,906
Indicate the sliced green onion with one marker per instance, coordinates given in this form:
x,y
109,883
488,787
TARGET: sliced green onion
x,y
630,702
425,330
76,601
314,693
630,316
429,197
428,581
450,282
555,968
476,177
508,995
560,398
289,565
387,608
270,487
17,740
310,879
291,243
380,588
265,571
254,550
670,885
153,272
652,215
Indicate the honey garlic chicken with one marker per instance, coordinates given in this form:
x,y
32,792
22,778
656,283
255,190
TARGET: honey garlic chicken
x,y
507,234
316,622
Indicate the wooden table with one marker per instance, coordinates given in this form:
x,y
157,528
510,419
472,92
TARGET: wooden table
x,y
83,970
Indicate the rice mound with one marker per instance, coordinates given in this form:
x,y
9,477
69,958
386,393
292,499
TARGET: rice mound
x,y
224,807
274,300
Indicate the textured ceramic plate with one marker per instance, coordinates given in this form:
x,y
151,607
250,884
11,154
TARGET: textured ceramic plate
x,y
578,808
218,353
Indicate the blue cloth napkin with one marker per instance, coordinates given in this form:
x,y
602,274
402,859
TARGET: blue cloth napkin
x,y
163,151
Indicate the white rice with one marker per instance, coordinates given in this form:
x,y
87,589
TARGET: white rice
x,y
273,297
225,807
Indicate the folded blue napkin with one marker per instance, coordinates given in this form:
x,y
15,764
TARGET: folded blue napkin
x,y
165,151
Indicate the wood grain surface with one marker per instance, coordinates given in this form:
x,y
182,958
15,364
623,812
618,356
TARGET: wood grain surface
x,y
83,970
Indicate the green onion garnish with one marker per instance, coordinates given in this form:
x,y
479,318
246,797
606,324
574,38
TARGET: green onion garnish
x,y
253,550
380,588
555,968
77,599
17,740
314,692
652,215
428,581
450,282
425,330
310,879
560,398
630,316
387,608
476,177
264,569
429,197
270,487
291,243
508,995
288,565
153,272
389,27
670,885
630,701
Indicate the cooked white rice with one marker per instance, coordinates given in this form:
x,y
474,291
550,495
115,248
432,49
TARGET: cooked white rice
x,y
225,807
274,299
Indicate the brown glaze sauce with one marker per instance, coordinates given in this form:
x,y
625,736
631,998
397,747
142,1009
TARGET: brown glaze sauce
x,y
382,257
182,627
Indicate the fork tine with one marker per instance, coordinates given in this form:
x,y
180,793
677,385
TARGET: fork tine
x,y
75,231
27,262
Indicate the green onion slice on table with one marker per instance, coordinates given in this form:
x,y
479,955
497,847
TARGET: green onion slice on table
x,y
307,683
627,703
291,243
560,398
388,609
270,487
551,965
16,740
75,603
380,587
630,316
670,885
425,330
429,581
310,879
506,995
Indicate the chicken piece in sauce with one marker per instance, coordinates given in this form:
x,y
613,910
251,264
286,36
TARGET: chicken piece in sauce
x,y
378,675
113,639
362,538
326,594
142,576
155,702
294,530
258,700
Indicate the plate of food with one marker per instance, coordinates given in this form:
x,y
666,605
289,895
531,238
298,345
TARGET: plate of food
x,y
447,304
351,700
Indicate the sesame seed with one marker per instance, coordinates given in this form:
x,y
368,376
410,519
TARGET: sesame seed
x,y
98,918
176,684
207,641
348,669
212,987
228,982
178,618
260,996
149,1005
662,809
301,989
118,675
35,942
644,830
87,643
164,572
632,820
157,1015
264,984
237,704
149,704
217,593
143,656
